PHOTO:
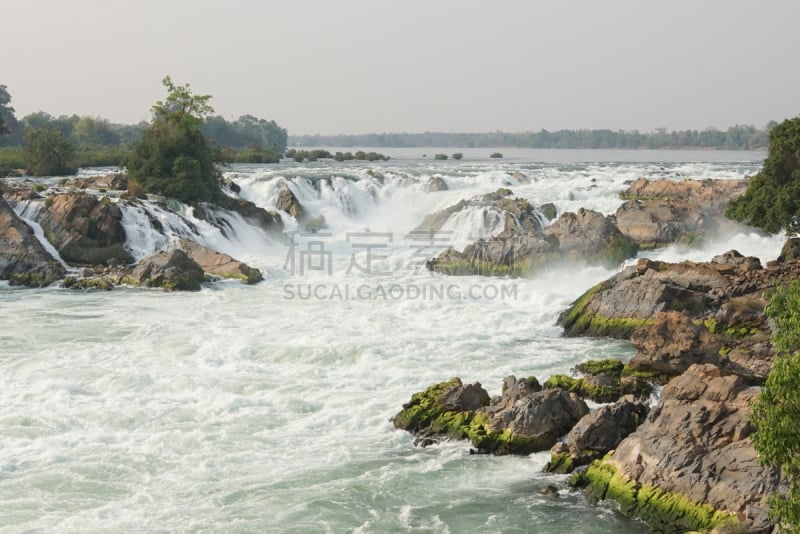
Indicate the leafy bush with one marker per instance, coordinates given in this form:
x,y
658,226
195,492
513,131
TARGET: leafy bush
x,y
496,155
776,411
48,152
457,155
11,159
173,158
440,156
772,199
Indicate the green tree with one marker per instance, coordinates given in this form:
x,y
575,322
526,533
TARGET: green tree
x,y
172,157
48,152
7,120
776,411
94,132
772,199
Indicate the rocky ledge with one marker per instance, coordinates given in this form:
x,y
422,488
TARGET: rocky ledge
x,y
683,462
653,214
83,225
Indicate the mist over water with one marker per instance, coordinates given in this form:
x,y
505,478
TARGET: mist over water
x,y
266,408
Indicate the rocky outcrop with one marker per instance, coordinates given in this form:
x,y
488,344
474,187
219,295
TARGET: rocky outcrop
x,y
219,264
436,183
672,344
584,237
113,182
23,259
633,297
288,203
169,270
660,212
523,419
85,230
603,381
269,221
596,434
519,215
691,465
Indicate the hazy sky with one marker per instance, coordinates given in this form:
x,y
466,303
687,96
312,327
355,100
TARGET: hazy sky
x,y
358,66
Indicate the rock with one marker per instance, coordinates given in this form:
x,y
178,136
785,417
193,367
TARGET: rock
x,y
672,344
115,182
170,270
234,187
522,420
660,212
520,177
519,215
691,465
603,381
219,264
790,250
436,183
288,203
633,297
533,422
23,259
548,490
602,430
549,211
269,221
592,237
584,237
84,229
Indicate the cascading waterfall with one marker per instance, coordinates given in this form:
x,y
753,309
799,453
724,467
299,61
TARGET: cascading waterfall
x,y
28,211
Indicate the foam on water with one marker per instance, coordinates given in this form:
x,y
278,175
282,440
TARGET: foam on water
x,y
255,408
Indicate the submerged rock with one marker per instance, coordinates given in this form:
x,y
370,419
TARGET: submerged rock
x,y
23,259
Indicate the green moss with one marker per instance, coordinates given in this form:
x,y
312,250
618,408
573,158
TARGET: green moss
x,y
561,463
582,388
32,279
662,510
102,284
464,267
426,413
611,366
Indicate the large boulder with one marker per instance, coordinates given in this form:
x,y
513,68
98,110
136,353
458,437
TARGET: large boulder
x,y
518,214
269,221
169,270
436,183
672,344
220,264
660,212
691,465
583,237
523,419
534,422
602,430
85,230
23,259
288,202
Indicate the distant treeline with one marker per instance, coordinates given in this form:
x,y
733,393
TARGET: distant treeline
x,y
740,137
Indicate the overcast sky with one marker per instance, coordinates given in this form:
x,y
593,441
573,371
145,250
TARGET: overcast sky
x,y
358,66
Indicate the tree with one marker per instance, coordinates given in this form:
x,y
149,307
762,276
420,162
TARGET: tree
x,y
772,199
776,411
172,157
7,120
48,152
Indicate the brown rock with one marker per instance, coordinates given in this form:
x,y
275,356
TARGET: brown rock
x,y
220,264
84,229
23,259
602,430
672,344
170,270
696,443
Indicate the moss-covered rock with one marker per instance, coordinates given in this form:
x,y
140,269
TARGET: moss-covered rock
x,y
663,511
